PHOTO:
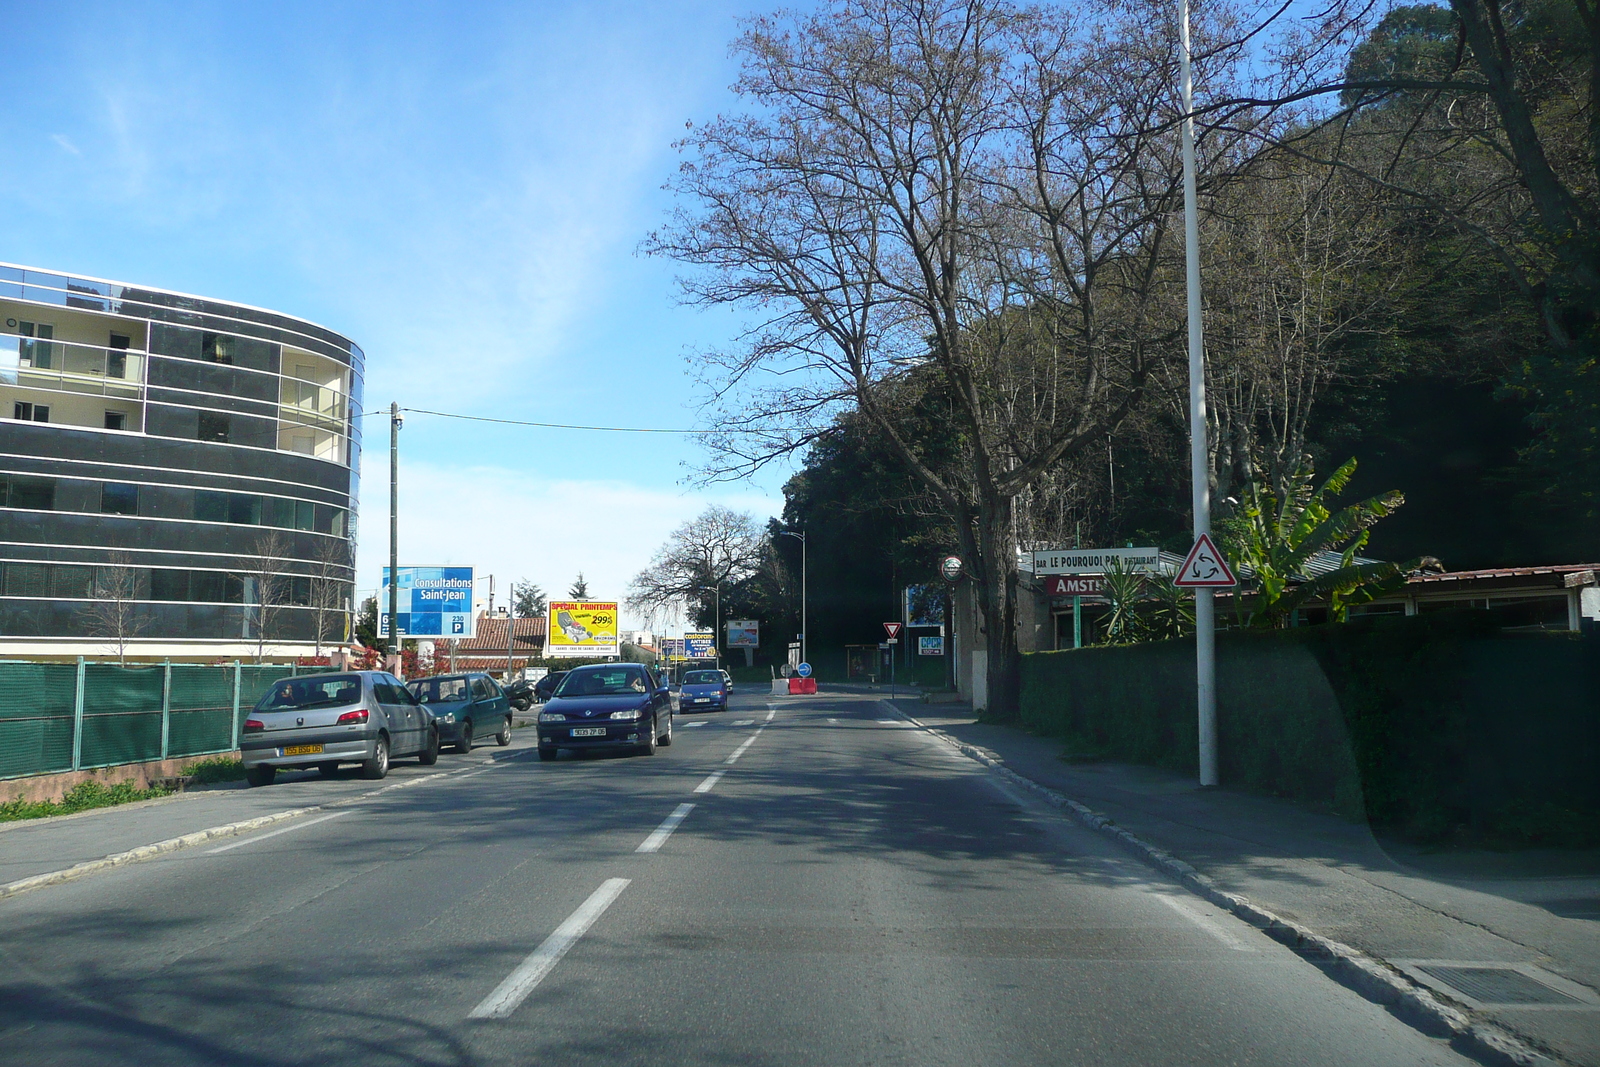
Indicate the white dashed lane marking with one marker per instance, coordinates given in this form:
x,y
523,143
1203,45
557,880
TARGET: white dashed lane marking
x,y
520,982
659,835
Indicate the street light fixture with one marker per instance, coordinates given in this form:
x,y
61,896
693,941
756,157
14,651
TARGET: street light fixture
x,y
804,629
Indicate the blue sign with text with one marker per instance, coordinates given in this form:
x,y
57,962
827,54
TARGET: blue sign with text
x,y
432,602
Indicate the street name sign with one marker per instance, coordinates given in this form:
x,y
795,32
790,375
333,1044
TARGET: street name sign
x,y
1204,568
1096,560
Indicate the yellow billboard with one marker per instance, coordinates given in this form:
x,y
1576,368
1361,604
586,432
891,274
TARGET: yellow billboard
x,y
581,628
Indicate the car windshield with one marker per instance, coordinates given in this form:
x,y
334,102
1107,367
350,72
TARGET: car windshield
x,y
619,681
439,690
293,694
702,678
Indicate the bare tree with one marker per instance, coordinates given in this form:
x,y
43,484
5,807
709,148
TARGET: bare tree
x,y
718,548
330,589
961,192
266,587
114,612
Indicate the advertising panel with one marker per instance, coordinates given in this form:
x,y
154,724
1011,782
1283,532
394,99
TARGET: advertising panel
x,y
432,602
700,646
743,633
672,649
930,646
582,628
1074,585
924,605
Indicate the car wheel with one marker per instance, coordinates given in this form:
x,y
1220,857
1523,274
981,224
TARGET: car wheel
x,y
328,770
261,774
503,738
378,766
465,744
547,754
430,755
666,738
649,746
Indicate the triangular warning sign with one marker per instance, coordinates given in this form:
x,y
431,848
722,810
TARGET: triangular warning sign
x,y
893,628
1204,568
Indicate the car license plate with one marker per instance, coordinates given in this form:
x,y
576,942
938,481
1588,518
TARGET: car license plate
x,y
302,750
701,700
589,731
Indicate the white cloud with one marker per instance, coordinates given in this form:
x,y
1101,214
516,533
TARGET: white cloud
x,y
66,144
506,523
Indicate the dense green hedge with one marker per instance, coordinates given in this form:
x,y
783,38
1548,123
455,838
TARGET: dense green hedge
x,y
1433,726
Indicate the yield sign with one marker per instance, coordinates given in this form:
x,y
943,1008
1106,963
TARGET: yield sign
x,y
1204,568
893,628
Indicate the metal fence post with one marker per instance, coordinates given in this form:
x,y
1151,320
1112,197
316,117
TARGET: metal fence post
x,y
166,706
77,719
236,672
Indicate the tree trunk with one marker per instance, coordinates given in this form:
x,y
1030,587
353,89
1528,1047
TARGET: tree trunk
x,y
996,573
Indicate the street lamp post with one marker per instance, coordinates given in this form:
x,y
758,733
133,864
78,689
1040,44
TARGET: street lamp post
x,y
805,630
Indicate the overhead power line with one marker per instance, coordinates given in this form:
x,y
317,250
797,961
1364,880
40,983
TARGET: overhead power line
x,y
541,425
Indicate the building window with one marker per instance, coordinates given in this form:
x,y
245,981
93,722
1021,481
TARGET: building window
x,y
37,353
116,361
116,420
169,584
119,499
36,494
27,412
210,506
71,583
216,348
213,426
27,579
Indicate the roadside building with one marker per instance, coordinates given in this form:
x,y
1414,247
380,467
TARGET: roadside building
x,y
177,474
487,651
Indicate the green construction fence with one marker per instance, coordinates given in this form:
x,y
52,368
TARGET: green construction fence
x,y
68,717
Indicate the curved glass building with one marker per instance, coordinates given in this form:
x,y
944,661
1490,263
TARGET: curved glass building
x,y
178,475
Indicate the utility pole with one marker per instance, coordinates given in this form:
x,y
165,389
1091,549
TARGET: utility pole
x,y
394,533
511,624
1205,643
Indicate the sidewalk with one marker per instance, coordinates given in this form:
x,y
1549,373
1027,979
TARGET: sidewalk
x,y
1410,907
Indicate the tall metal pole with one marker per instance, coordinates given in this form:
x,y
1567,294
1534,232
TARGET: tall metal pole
x,y
1199,452
394,528
511,624
805,626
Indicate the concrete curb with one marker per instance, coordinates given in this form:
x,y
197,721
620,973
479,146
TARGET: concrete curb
x,y
1371,977
144,852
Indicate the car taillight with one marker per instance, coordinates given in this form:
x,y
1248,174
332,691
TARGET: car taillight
x,y
350,718
254,726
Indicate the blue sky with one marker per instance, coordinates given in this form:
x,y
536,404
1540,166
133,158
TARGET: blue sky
x,y
460,188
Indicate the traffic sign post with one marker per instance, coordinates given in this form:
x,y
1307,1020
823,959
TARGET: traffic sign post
x,y
893,629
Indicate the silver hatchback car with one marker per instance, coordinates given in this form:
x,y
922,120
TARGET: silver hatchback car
x,y
323,720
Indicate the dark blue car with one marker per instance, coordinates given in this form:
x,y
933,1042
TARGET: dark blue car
x,y
703,691
607,706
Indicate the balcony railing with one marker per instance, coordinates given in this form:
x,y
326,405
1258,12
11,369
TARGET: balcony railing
x,y
67,366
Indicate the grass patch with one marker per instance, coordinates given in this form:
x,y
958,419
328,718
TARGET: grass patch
x,y
83,797
216,769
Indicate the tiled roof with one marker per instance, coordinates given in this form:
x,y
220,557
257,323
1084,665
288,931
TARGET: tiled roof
x,y
491,637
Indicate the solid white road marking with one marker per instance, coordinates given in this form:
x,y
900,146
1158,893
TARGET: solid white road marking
x,y
834,721
1192,911
687,725
770,713
711,780
659,835
744,722
275,833
520,982
892,722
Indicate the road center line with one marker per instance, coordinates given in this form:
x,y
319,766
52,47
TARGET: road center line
x,y
659,835
711,780
520,982
1190,911
275,833
771,712
687,725
734,758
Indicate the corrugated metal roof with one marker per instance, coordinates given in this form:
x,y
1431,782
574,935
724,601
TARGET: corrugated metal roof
x,y
1504,572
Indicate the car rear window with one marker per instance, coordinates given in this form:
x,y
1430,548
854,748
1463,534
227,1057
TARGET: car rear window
x,y
702,678
292,694
438,690
619,681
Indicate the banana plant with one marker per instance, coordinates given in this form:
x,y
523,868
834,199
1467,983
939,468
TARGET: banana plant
x,y
1273,536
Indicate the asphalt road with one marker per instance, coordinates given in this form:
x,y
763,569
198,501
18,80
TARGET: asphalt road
x,y
849,891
